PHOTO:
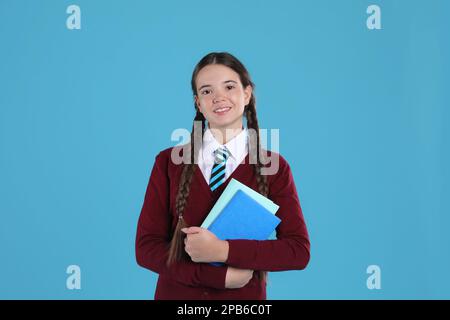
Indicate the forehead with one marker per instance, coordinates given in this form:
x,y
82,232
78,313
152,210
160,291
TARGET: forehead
x,y
215,74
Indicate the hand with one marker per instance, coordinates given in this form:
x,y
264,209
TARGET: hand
x,y
203,246
237,278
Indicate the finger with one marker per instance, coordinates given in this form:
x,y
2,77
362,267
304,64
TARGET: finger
x,y
195,229
192,230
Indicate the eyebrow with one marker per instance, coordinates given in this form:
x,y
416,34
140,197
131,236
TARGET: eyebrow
x,y
208,85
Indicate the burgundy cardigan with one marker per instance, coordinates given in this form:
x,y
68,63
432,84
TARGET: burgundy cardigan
x,y
191,280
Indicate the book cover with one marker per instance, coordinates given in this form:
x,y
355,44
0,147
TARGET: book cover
x,y
244,218
230,190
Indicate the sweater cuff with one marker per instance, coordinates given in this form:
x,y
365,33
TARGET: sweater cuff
x,y
212,276
240,252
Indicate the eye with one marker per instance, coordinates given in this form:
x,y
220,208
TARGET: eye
x,y
206,91
229,87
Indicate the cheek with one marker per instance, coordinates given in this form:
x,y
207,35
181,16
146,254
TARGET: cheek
x,y
238,99
205,102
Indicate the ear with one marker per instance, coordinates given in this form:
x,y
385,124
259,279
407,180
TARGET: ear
x,y
197,103
248,94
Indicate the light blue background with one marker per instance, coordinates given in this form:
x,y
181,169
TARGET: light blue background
x,y
363,118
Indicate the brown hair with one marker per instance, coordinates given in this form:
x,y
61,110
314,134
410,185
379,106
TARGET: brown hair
x,y
176,251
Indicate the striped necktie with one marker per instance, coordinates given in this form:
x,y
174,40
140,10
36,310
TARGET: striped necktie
x,y
218,169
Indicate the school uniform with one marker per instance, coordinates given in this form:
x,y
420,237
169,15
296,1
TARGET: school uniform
x,y
187,280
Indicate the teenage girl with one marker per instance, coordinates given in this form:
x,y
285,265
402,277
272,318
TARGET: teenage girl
x,y
179,196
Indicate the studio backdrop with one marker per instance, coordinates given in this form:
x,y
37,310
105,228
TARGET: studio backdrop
x,y
91,91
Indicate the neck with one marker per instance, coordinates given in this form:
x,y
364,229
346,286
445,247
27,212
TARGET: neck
x,y
224,135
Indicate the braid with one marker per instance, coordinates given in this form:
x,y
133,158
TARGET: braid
x,y
261,180
176,252
252,122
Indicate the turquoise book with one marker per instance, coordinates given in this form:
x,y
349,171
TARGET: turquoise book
x,y
232,187
243,218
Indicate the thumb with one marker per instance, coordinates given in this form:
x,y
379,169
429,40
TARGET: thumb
x,y
191,230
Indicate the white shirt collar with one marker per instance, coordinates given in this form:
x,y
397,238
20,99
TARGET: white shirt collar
x,y
238,146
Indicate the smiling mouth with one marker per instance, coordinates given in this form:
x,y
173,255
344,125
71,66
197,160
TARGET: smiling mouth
x,y
221,111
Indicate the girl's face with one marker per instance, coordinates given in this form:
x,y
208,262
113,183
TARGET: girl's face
x,y
221,97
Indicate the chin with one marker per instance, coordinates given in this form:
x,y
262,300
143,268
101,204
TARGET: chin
x,y
223,122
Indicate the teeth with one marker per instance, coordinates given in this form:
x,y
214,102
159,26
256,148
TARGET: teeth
x,y
222,109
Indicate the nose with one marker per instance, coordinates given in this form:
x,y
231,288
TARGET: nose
x,y
218,96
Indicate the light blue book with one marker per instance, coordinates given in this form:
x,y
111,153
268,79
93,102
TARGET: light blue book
x,y
243,218
232,187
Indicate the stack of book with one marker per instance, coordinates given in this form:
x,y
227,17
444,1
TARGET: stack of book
x,y
242,213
